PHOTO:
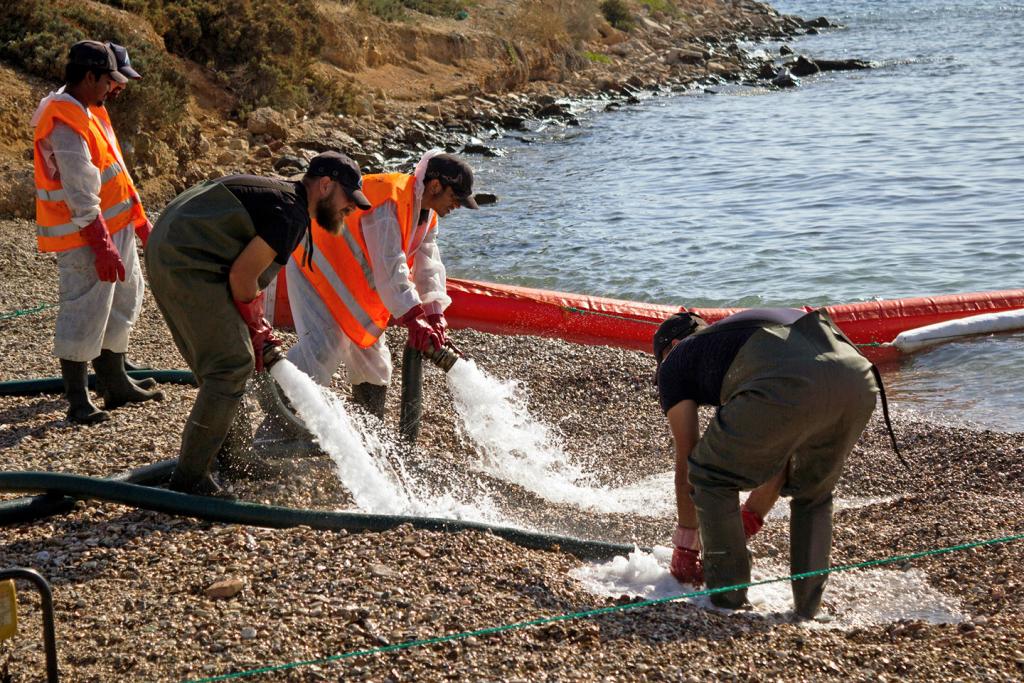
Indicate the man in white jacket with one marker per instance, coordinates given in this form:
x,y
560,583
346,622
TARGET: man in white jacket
x,y
385,266
85,200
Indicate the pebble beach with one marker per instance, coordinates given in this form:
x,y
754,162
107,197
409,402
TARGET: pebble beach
x,y
146,596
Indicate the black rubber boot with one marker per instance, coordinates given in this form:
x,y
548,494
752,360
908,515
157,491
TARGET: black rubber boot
x,y
118,387
76,390
205,432
145,383
412,395
370,397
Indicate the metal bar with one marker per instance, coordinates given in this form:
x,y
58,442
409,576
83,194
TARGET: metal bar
x,y
49,629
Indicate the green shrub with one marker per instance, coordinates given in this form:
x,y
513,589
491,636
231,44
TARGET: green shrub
x,y
597,57
388,10
394,10
260,50
553,23
436,8
36,36
329,91
617,13
661,7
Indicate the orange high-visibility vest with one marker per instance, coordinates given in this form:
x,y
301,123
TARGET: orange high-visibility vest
x,y
55,230
341,272
138,213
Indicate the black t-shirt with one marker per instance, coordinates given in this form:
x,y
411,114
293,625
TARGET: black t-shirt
x,y
278,209
695,369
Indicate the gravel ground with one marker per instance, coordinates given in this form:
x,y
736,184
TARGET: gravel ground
x,y
132,587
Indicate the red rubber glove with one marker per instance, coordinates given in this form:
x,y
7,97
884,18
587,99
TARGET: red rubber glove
x,y
109,267
422,336
260,332
440,326
686,563
142,232
752,522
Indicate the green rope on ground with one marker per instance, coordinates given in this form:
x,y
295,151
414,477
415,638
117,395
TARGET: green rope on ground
x,y
7,315
605,610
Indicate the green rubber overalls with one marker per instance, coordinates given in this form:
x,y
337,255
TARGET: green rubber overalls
x,y
796,397
188,259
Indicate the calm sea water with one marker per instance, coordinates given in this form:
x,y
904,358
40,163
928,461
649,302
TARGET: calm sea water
x,y
903,180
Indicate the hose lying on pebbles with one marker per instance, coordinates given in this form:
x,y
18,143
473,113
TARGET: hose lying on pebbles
x,y
133,589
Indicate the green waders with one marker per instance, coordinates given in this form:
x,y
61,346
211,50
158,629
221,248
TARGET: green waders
x,y
188,259
795,396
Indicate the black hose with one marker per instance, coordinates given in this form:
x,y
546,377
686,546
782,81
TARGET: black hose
x,y
55,385
272,516
412,394
33,508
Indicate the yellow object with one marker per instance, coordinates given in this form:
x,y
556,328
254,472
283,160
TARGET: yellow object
x,y
8,609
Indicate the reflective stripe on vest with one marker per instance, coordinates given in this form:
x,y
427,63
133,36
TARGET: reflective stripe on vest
x,y
360,257
342,274
108,174
325,267
111,215
119,202
139,216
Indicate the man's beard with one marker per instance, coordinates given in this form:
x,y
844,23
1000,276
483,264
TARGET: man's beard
x,y
328,219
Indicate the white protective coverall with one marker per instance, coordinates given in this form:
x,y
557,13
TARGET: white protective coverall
x,y
322,345
93,315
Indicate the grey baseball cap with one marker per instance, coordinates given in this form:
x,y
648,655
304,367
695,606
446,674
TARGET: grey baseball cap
x,y
124,65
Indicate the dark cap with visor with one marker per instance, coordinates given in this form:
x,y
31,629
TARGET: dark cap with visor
x,y
338,167
679,326
95,55
455,173
124,65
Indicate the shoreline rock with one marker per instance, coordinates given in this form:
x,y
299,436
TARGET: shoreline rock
x,y
658,56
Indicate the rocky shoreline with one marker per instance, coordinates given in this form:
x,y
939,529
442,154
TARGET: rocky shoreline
x,y
539,86
652,64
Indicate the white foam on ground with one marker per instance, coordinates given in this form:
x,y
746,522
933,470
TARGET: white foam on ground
x,y
517,448
781,509
378,484
857,598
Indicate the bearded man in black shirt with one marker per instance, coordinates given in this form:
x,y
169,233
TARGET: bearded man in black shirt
x,y
793,396
209,257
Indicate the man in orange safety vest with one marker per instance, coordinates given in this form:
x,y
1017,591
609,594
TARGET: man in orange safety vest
x,y
84,201
385,265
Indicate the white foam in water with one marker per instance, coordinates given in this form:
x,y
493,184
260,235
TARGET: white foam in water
x,y
360,457
516,447
859,598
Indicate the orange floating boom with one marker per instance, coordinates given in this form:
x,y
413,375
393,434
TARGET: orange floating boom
x,y
508,309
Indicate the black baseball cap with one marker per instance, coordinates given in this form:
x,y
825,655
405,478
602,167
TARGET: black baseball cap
x,y
95,55
678,326
337,166
124,65
455,173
